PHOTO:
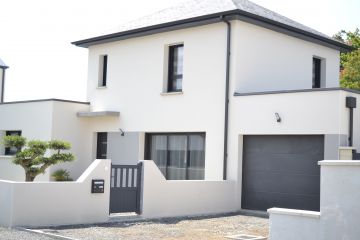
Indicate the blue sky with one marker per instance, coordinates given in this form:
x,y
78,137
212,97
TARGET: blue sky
x,y
35,36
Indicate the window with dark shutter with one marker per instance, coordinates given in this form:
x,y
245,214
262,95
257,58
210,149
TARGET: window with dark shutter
x,y
103,70
316,74
175,68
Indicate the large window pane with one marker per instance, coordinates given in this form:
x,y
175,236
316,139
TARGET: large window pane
x,y
159,152
177,157
196,157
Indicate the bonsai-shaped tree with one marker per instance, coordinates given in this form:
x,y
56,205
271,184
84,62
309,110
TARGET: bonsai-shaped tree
x,y
31,154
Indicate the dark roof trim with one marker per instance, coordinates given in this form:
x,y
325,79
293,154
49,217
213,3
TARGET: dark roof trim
x,y
45,100
297,91
164,27
4,67
213,18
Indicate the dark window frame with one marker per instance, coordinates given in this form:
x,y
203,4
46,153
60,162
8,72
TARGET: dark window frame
x,y
100,136
148,143
103,67
316,77
172,78
8,150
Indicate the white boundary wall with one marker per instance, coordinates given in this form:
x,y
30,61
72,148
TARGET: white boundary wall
x,y
12,172
339,208
56,203
170,198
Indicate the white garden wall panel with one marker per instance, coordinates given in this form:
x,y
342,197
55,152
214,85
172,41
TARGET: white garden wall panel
x,y
37,204
339,211
169,198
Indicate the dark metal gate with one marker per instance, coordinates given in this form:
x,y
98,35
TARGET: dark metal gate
x,y
125,188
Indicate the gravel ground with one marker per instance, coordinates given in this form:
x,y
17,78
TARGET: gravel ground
x,y
15,234
209,228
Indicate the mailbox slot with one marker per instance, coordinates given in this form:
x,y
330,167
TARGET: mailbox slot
x,y
97,186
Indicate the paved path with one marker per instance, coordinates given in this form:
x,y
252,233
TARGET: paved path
x,y
209,228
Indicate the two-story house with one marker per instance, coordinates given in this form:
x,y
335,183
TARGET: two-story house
x,y
209,90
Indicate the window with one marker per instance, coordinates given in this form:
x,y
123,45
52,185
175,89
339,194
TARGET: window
x,y
102,70
175,68
316,73
101,149
12,150
179,156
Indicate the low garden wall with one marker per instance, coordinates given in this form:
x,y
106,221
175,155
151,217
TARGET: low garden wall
x,y
56,203
339,208
162,198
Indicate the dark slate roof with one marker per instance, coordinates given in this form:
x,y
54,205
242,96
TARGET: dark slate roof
x,y
2,64
196,10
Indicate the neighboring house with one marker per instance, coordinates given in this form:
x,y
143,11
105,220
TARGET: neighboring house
x,y
209,90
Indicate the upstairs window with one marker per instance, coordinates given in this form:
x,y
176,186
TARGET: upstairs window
x,y
175,68
316,73
102,70
12,150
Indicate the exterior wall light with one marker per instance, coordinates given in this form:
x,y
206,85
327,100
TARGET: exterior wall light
x,y
278,118
122,133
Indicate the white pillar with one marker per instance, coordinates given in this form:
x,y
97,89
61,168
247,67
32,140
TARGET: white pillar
x,y
345,153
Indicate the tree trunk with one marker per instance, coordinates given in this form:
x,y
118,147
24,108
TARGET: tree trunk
x,y
29,177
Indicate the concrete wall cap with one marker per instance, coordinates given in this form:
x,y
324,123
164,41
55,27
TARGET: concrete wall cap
x,y
339,163
347,148
294,212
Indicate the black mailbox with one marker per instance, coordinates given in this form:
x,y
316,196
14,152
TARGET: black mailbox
x,y
97,186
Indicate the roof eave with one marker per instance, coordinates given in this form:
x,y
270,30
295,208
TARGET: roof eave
x,y
340,46
212,18
95,40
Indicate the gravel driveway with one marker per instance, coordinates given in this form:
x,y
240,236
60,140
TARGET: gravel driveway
x,y
209,228
15,234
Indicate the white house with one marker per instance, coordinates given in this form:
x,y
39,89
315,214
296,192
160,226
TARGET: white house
x,y
209,90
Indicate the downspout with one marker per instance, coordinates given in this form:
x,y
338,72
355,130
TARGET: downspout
x,y
2,84
226,95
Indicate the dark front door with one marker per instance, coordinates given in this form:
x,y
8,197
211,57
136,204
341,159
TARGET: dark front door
x,y
101,150
125,188
282,171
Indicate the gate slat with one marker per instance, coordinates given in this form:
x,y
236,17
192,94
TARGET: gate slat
x,y
121,177
127,177
115,176
132,176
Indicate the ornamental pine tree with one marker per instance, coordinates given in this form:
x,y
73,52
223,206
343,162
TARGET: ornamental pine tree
x,y
31,154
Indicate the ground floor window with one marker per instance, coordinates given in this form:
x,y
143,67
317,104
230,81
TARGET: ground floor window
x,y
179,156
12,150
101,149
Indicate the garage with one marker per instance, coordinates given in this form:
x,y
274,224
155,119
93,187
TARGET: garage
x,y
281,171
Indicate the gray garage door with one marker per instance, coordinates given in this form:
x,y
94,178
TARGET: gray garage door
x,y
282,171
